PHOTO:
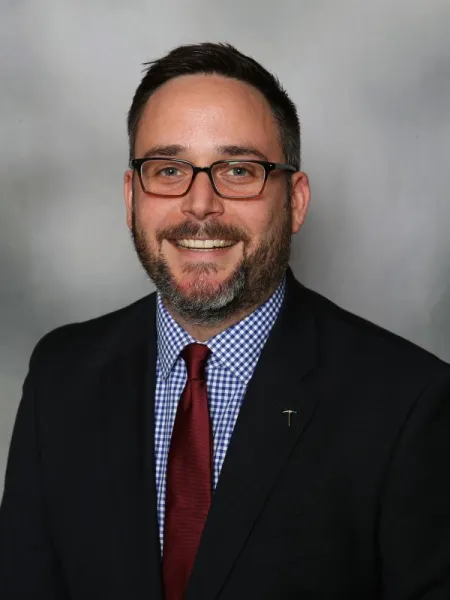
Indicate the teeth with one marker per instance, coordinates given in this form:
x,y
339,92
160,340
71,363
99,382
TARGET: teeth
x,y
204,244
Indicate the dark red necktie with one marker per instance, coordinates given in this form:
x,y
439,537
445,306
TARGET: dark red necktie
x,y
189,476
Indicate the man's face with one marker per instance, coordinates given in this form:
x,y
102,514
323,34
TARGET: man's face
x,y
203,119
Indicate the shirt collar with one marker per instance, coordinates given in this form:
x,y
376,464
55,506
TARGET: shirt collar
x,y
237,347
172,338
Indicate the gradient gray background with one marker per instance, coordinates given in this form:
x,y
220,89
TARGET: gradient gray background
x,y
372,83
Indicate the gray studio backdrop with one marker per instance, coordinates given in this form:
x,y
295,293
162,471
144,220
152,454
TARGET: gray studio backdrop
x,y
372,82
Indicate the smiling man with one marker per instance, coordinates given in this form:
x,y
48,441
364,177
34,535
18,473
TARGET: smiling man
x,y
213,249
234,435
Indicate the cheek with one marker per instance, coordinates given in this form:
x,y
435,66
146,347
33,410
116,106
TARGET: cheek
x,y
261,220
252,215
151,216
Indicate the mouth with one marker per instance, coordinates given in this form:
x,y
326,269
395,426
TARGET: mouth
x,y
200,245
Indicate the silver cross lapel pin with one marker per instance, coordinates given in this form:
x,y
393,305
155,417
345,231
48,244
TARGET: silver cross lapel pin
x,y
289,413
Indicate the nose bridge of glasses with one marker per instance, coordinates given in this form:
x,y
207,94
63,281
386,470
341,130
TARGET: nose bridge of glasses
x,y
208,172
201,198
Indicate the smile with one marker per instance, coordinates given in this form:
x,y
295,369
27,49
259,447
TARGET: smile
x,y
196,244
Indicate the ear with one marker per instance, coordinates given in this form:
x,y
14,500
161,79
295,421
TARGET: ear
x,y
300,196
128,194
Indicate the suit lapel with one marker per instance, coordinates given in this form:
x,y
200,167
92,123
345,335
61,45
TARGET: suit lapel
x,y
128,389
261,443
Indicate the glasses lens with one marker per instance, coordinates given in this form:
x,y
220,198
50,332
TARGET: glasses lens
x,y
237,179
166,177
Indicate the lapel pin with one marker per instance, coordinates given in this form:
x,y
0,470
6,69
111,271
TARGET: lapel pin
x,y
289,413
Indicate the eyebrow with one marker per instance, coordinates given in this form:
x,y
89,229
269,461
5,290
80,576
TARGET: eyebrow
x,y
227,150
171,150
241,151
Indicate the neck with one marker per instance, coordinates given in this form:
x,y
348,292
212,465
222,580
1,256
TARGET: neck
x,y
203,333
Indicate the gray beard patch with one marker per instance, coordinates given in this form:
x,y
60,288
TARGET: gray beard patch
x,y
200,307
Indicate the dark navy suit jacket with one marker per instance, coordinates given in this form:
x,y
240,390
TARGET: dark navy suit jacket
x,y
351,501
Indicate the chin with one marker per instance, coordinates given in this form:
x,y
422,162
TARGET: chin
x,y
202,283
193,274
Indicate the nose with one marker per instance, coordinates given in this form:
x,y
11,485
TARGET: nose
x,y
202,202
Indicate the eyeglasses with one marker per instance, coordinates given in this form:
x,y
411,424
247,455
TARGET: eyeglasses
x,y
232,179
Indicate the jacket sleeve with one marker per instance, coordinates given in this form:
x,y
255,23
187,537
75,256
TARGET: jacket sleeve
x,y
28,565
415,509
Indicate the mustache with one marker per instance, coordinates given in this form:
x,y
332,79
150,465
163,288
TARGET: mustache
x,y
211,230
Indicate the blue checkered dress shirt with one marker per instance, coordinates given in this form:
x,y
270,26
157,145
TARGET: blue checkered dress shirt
x,y
234,354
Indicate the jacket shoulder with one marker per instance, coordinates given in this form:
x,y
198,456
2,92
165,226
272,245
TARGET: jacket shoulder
x,y
346,333
95,337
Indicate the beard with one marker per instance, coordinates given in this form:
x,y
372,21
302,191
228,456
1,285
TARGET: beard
x,y
254,278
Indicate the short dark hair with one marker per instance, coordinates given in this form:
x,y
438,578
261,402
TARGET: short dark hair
x,y
222,59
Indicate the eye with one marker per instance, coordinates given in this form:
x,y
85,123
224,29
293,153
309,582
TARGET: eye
x,y
239,171
165,170
169,171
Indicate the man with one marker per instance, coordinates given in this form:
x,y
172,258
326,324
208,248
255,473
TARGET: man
x,y
235,435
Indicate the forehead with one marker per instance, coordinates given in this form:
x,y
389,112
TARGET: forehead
x,y
202,111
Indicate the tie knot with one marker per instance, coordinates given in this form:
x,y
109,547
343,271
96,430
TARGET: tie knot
x,y
195,356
